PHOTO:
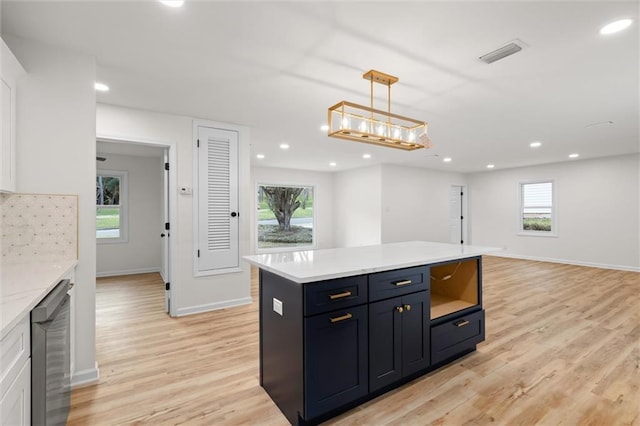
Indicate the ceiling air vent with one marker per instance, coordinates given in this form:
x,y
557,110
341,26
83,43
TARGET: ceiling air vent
x,y
502,52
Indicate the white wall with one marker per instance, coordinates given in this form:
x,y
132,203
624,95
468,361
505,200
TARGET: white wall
x,y
189,294
598,212
56,150
357,207
322,203
415,203
142,251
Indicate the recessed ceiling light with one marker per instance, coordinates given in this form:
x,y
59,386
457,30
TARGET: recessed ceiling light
x,y
447,159
324,127
332,164
615,26
101,87
490,166
284,146
574,155
172,3
366,156
535,144
260,156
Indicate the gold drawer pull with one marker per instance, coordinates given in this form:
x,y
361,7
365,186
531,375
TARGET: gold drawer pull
x,y
342,318
340,295
462,323
399,283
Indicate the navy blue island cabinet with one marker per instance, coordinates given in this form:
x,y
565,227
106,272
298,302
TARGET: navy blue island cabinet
x,y
328,346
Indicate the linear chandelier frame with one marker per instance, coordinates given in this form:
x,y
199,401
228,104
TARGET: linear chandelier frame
x,y
351,121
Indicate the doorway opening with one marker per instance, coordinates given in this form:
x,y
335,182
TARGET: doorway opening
x,y
135,180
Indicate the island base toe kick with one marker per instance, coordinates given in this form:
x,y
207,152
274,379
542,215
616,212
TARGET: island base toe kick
x,y
328,346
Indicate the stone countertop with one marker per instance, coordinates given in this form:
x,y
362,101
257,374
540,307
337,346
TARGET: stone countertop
x,y
318,265
23,285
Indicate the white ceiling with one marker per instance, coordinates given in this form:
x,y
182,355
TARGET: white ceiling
x,y
277,66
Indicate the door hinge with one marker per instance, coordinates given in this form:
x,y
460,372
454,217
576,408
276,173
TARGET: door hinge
x,y
461,193
198,253
166,166
198,143
167,286
166,226
461,217
461,242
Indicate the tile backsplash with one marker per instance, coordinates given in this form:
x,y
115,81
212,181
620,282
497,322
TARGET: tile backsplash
x,y
42,225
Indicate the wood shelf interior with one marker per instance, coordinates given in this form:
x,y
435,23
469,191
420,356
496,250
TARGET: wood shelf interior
x,y
458,292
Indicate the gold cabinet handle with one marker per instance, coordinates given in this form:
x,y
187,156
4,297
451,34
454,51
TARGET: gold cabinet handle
x,y
407,307
462,323
340,295
404,282
400,309
341,318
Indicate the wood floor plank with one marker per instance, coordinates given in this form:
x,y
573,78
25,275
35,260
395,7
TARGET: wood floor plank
x,y
562,347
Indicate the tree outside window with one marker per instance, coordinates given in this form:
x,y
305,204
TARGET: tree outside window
x,y
285,217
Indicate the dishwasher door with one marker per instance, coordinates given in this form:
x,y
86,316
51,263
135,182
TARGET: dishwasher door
x,y
50,358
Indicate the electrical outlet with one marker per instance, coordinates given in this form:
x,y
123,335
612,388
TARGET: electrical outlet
x,y
277,306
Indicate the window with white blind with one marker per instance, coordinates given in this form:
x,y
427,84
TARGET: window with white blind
x,y
217,236
537,208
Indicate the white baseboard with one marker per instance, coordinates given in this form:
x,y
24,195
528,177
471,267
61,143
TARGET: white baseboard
x,y
567,262
213,306
85,377
126,272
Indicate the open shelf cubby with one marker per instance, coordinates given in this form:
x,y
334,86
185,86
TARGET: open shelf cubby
x,y
457,292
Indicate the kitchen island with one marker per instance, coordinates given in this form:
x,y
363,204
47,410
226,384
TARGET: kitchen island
x,y
341,326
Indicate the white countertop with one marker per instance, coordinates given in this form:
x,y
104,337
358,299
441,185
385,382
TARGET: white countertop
x,y
24,285
317,265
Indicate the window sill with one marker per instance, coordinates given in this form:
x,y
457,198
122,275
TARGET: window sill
x,y
538,234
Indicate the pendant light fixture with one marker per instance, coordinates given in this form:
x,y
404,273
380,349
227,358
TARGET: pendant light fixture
x,y
359,123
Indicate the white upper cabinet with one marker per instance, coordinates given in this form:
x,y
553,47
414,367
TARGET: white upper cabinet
x,y
11,72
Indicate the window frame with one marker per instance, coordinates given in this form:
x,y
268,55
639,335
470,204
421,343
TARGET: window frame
x,y
314,241
123,175
554,209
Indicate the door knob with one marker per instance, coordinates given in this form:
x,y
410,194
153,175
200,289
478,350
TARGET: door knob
x,y
234,214
161,235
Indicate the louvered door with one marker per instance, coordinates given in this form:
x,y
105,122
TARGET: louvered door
x,y
218,215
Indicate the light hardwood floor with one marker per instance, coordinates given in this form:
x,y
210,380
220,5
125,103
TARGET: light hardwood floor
x,y
562,347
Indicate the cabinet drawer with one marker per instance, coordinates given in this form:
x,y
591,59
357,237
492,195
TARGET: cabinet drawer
x,y
325,296
384,285
456,336
15,348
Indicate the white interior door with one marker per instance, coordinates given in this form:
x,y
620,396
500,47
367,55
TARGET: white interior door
x,y
218,199
456,215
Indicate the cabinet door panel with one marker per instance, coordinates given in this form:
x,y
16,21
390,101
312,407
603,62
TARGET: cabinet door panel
x,y
385,350
415,332
336,359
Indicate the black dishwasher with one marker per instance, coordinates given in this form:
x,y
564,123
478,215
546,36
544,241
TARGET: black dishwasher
x,y
50,358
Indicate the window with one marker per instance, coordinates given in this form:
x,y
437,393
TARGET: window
x,y
537,208
285,217
111,196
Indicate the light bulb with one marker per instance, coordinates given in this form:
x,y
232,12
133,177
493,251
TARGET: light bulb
x,y
346,124
396,133
363,127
